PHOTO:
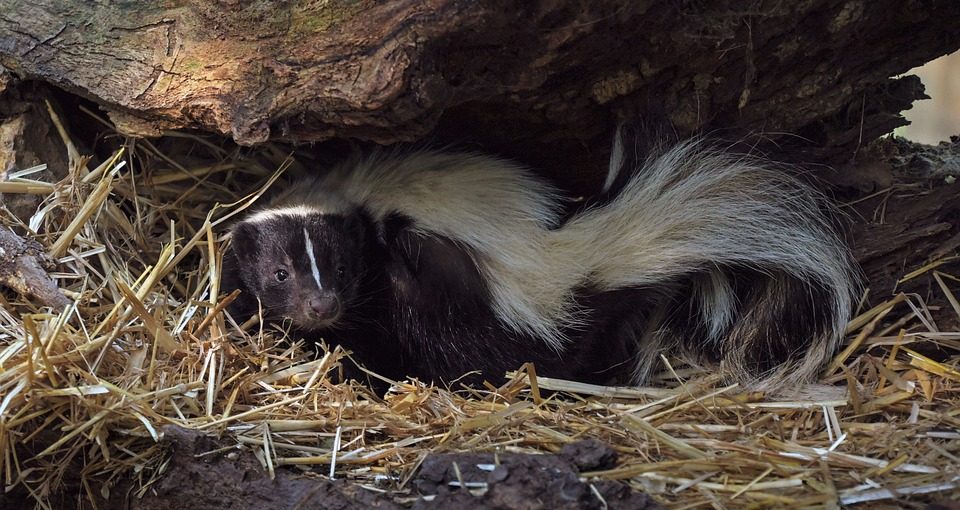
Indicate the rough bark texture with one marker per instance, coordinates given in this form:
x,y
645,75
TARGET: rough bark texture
x,y
23,269
910,218
28,138
544,79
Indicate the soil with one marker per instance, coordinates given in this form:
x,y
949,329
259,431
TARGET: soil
x,y
525,481
204,472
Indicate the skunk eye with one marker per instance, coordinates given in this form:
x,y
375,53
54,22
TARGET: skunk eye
x,y
281,275
340,271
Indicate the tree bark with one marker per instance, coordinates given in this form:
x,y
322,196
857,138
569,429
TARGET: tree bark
x,y
23,269
545,76
910,219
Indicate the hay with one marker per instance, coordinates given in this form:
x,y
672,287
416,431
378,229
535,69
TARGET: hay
x,y
146,345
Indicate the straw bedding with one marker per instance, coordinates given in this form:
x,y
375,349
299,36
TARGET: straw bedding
x,y
145,344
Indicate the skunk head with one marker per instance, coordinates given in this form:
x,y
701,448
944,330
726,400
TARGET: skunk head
x,y
304,266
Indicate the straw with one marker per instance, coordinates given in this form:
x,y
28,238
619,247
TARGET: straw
x,y
147,345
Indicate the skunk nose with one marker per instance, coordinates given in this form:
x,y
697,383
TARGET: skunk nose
x,y
324,306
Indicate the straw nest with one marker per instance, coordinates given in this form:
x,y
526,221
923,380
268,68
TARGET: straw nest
x,y
145,343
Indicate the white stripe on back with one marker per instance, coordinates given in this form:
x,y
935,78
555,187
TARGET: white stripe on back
x,y
313,259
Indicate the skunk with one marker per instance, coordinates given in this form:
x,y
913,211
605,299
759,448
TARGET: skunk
x,y
436,265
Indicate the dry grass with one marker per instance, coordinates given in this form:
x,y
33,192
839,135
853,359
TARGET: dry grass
x,y
145,345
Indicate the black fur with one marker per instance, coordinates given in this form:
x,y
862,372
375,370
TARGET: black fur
x,y
410,303
416,305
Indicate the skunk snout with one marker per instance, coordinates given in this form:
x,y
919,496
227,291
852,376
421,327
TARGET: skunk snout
x,y
324,306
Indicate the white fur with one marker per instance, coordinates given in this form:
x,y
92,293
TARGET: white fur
x,y
689,210
326,205
496,208
693,210
313,259
616,160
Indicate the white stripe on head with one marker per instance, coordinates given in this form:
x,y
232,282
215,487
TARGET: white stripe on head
x,y
313,259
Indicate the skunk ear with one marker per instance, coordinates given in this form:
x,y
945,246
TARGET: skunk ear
x,y
244,240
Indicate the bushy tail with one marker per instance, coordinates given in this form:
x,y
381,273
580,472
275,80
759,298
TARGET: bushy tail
x,y
764,284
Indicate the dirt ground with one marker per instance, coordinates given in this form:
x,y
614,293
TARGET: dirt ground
x,y
234,479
